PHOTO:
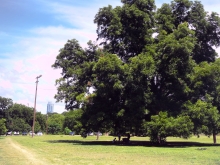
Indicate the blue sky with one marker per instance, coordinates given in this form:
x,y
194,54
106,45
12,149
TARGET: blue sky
x,y
31,34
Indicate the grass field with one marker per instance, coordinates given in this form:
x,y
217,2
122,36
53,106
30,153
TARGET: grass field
x,y
64,150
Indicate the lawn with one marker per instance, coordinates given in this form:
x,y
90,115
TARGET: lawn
x,y
61,149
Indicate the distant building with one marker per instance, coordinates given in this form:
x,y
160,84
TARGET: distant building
x,y
50,107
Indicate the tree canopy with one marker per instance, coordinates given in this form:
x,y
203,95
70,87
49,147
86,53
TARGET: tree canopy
x,y
152,64
18,117
5,104
3,128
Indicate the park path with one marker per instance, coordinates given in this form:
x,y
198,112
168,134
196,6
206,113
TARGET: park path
x,y
27,155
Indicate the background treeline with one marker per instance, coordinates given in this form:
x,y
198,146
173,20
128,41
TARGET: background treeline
x,y
156,71
18,117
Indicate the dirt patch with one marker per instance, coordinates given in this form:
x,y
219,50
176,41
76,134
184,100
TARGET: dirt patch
x,y
29,156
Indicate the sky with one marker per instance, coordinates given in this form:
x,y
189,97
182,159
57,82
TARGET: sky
x,y
31,34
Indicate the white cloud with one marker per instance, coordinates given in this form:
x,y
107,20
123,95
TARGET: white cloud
x,y
19,77
59,35
36,57
37,53
80,16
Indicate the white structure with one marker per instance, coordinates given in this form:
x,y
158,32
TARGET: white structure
x,y
50,107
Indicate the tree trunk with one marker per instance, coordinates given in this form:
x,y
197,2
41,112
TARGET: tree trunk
x,y
97,136
214,137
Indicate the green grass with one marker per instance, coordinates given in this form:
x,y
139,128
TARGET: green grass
x,y
9,156
60,149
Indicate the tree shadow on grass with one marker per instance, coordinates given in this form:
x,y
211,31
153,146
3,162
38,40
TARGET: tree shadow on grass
x,y
178,144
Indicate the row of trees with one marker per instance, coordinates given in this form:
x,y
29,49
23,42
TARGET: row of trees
x,y
18,117
156,71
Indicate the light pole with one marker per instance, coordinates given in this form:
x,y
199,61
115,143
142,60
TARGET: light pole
x,y
35,105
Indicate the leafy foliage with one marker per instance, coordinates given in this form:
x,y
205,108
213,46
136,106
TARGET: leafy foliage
x,y
126,29
66,131
206,82
153,63
161,126
20,111
54,128
5,104
170,83
205,26
76,65
18,124
55,123
3,128
72,121
205,116
106,102
20,118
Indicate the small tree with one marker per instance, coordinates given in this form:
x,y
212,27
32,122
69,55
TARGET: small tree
x,y
205,117
54,128
161,126
72,121
5,104
3,129
66,131
55,123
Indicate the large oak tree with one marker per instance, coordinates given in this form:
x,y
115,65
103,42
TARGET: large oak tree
x,y
151,61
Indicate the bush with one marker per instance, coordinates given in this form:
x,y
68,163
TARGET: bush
x,y
67,131
3,129
161,126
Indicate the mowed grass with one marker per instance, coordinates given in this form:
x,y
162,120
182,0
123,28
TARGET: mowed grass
x,y
61,149
8,155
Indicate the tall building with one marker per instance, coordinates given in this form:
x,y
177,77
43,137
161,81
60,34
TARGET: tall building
x,y
50,107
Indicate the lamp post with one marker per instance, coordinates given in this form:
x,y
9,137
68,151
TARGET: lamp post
x,y
35,105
